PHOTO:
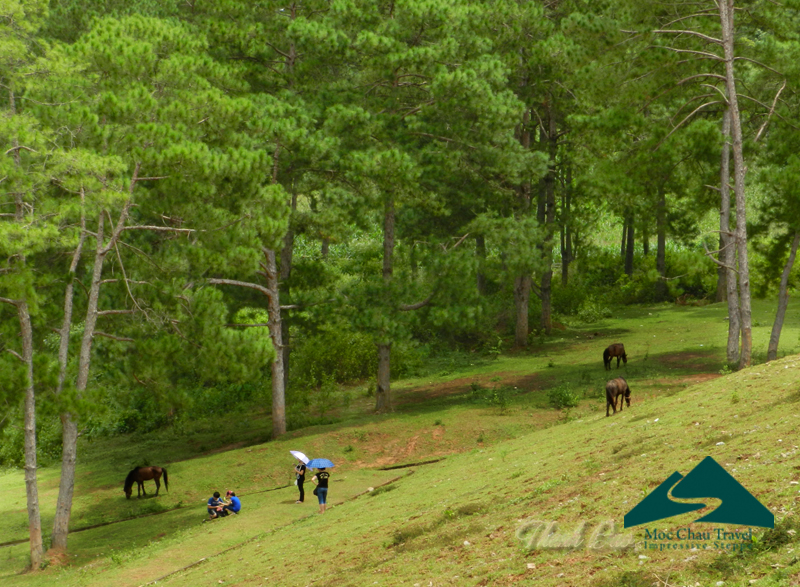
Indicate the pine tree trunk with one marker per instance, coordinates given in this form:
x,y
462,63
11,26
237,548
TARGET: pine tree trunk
x,y
383,393
69,456
566,237
645,239
721,295
629,248
383,397
31,487
287,253
70,428
69,449
522,283
624,241
275,324
726,11
63,348
522,294
661,245
480,252
546,321
29,446
783,301
728,242
29,410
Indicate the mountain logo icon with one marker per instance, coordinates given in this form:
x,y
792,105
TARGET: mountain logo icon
x,y
707,480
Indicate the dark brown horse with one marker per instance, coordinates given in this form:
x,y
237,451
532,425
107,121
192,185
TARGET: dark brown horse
x,y
142,474
615,350
617,388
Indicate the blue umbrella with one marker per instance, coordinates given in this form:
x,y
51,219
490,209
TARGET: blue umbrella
x,y
320,464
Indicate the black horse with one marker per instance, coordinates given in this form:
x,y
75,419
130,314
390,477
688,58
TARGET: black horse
x,y
142,474
617,388
615,350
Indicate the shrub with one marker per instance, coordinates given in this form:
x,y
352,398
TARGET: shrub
x,y
591,312
563,397
569,300
341,354
335,351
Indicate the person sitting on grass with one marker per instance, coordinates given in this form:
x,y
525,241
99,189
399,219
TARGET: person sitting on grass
x,y
214,505
233,506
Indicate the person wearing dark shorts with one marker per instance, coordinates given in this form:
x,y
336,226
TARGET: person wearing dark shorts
x,y
300,474
321,481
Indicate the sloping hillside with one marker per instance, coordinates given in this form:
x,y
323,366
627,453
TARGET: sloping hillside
x,y
454,523
465,519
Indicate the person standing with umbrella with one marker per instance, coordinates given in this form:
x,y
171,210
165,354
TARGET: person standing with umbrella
x,y
321,480
300,473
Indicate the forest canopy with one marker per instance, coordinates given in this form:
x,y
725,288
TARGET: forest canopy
x,y
235,203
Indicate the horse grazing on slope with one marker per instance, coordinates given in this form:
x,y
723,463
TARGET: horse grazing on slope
x,y
142,474
615,350
617,388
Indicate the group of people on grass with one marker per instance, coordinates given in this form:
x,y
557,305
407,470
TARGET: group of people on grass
x,y
219,507
320,479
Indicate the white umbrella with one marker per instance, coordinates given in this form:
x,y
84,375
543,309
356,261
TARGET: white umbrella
x,y
299,456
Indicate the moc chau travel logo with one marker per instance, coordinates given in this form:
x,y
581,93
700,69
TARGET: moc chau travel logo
x,y
707,480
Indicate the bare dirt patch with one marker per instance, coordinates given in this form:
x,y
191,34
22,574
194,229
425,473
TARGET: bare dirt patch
x,y
694,360
463,385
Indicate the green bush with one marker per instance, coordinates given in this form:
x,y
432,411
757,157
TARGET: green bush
x,y
335,351
563,397
601,272
591,312
569,300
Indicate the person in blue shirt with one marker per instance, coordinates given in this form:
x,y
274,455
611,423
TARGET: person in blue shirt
x,y
214,505
234,505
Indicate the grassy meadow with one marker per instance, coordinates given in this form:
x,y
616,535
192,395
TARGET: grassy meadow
x,y
503,456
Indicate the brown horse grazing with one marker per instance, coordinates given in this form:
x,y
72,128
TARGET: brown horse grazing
x,y
142,474
617,388
615,350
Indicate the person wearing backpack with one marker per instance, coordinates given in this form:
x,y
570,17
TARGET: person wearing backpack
x,y
321,481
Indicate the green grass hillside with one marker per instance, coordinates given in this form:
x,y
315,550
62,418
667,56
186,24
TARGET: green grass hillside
x,y
507,457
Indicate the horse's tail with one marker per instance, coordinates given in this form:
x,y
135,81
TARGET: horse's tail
x,y
166,481
606,356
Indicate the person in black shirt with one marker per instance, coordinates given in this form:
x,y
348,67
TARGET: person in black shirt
x,y
321,481
300,475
